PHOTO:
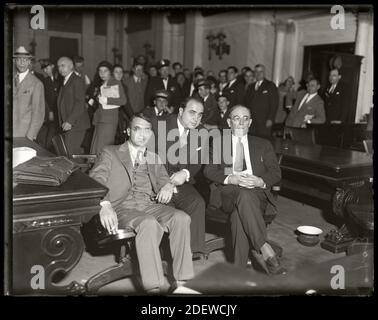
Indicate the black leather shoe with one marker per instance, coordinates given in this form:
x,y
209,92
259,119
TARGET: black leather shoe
x,y
274,266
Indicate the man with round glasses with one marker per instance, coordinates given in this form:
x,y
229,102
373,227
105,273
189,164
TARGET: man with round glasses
x,y
243,187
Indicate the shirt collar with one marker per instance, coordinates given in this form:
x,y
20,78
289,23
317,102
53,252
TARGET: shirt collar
x,y
68,76
180,127
136,78
134,150
244,139
232,82
22,75
157,112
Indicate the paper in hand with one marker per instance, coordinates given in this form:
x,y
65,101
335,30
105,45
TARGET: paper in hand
x,y
110,91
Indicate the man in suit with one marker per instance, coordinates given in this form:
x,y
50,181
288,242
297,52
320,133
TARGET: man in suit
x,y
308,108
163,82
219,119
136,88
160,109
198,76
242,187
262,101
183,132
73,116
28,98
51,87
222,78
79,70
336,99
208,100
177,68
139,191
234,88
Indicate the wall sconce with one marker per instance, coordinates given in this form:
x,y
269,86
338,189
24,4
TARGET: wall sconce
x,y
218,45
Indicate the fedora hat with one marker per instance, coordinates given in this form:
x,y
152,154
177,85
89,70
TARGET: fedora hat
x,y
22,52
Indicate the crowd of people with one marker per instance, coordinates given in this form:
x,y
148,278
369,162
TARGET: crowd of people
x,y
114,116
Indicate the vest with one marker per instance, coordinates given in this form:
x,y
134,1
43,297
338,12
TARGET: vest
x,y
141,187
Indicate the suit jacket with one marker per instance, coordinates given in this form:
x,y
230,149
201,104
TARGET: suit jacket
x,y
28,107
71,104
110,115
114,169
336,103
136,95
236,93
218,120
314,107
194,156
150,113
263,161
156,83
263,104
210,108
51,87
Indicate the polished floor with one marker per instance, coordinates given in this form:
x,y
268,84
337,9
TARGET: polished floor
x,y
295,256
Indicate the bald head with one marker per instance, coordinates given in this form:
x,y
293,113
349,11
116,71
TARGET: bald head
x,y
65,66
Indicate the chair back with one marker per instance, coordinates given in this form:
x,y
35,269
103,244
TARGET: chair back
x,y
301,135
59,145
368,146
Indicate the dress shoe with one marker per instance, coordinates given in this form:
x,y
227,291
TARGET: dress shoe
x,y
175,285
270,266
199,256
153,291
274,266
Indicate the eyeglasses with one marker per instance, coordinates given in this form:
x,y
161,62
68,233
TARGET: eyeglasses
x,y
237,119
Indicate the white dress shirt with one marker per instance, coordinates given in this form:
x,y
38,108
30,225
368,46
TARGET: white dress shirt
x,y
165,81
231,82
67,77
247,158
22,75
306,99
258,84
181,132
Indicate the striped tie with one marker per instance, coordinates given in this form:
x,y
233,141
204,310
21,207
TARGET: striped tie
x,y
239,157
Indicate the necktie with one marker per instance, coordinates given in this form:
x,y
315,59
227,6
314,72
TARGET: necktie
x,y
304,101
257,85
184,138
332,88
138,159
222,114
239,157
17,80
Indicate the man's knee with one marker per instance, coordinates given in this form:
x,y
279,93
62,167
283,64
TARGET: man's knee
x,y
149,223
181,218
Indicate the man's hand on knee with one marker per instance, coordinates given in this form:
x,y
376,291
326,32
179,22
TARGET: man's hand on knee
x,y
108,218
165,193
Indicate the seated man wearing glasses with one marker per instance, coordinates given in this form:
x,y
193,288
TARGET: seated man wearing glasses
x,y
139,191
244,168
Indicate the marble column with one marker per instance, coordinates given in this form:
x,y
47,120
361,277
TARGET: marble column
x,y
364,48
193,41
281,28
124,39
163,30
88,44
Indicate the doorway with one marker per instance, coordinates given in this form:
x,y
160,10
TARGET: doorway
x,y
318,60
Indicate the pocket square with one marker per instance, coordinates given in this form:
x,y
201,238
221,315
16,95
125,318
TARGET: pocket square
x,y
265,91
337,92
199,148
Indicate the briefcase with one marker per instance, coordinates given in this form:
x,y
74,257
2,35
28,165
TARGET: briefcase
x,y
48,171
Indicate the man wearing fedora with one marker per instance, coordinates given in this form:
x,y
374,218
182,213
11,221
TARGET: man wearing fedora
x,y
162,82
209,102
28,98
160,109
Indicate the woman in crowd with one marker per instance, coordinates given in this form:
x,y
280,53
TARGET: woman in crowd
x,y
125,111
287,97
110,95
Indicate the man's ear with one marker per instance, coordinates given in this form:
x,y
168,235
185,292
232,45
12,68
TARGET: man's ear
x,y
229,122
128,131
181,111
250,122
